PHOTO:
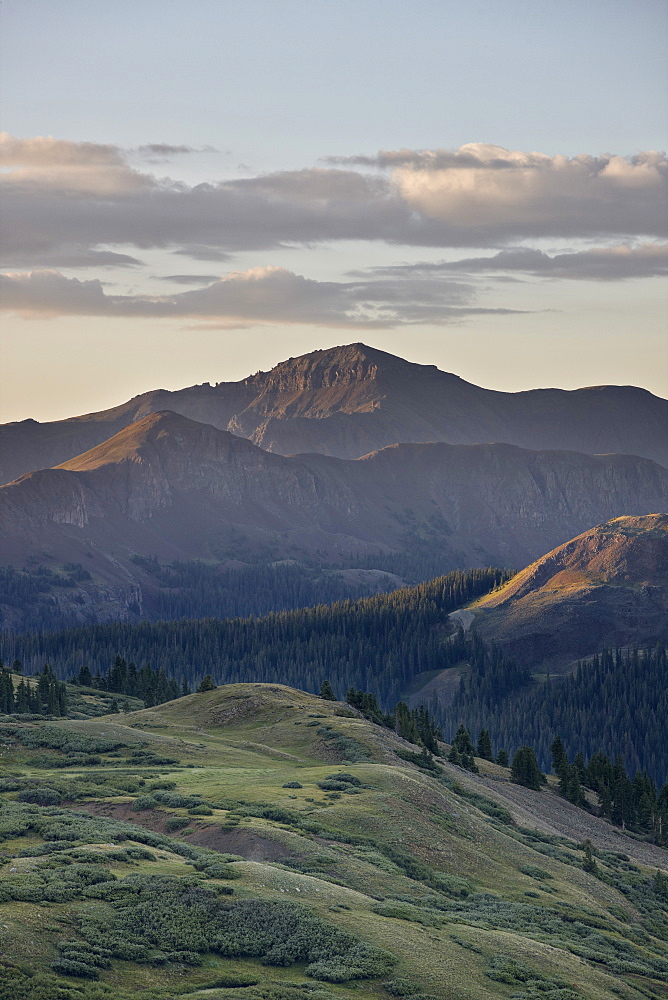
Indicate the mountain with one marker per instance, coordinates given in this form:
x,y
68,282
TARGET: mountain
x,y
607,588
257,841
169,487
351,400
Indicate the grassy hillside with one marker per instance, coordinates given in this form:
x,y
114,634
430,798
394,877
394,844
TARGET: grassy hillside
x,y
255,841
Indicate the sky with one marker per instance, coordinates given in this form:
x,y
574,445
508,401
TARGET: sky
x,y
195,192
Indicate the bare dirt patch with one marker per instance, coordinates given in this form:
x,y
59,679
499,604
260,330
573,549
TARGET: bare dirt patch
x,y
247,843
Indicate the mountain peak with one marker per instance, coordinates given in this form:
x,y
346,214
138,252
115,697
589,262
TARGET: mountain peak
x,y
348,364
131,443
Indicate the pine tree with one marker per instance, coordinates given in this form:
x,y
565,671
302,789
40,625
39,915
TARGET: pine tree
x,y
22,701
326,692
589,864
206,685
661,885
525,770
572,789
85,678
502,758
559,758
485,745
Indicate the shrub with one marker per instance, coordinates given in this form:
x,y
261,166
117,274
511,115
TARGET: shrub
x,y
177,822
293,784
66,967
144,802
537,873
348,779
229,981
41,796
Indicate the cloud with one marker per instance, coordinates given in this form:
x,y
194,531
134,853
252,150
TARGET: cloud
x,y
615,263
160,152
47,166
87,195
188,279
261,295
198,252
66,255
164,149
531,194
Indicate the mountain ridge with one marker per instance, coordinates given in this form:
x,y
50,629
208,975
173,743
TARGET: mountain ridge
x,y
170,487
350,400
605,588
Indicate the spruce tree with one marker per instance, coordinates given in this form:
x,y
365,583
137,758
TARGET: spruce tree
x,y
559,758
525,770
326,692
484,745
589,864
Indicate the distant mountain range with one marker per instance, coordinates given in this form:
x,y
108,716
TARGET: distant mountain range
x,y
169,487
607,588
349,401
348,460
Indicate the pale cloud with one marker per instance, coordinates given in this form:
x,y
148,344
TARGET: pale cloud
x,y
259,296
63,194
533,194
615,263
165,150
187,279
50,166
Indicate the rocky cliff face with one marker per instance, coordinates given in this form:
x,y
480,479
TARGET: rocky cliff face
x,y
171,487
608,587
349,401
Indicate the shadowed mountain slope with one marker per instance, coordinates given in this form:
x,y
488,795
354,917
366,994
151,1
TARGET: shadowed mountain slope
x,y
170,487
604,589
348,401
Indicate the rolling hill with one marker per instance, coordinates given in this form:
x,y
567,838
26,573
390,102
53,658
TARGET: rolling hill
x,y
351,400
255,841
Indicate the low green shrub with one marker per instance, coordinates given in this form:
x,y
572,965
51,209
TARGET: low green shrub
x,y
347,779
143,802
177,822
41,796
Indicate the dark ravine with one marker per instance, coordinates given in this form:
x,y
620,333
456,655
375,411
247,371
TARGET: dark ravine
x,y
351,400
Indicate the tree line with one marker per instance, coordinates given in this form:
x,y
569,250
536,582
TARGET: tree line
x,y
616,702
379,642
632,803
45,696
